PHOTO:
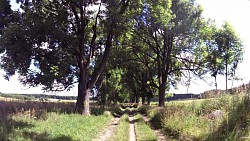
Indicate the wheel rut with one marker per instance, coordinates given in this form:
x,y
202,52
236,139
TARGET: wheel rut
x,y
110,129
108,132
132,134
160,136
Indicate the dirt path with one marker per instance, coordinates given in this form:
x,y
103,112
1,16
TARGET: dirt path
x,y
158,133
105,134
132,128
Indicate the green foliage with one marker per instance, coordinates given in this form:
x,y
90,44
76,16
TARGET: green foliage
x,y
151,46
144,109
5,15
167,34
56,44
225,51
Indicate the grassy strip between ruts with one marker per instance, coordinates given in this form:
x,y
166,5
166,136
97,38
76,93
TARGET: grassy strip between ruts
x,y
122,130
53,127
143,131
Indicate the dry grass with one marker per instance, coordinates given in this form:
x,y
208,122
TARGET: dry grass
x,y
35,120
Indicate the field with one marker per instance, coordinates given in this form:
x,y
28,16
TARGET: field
x,y
30,120
193,120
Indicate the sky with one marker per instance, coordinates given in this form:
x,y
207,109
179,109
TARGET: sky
x,y
236,12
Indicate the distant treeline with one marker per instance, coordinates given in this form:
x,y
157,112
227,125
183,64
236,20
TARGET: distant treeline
x,y
207,94
37,96
179,97
245,88
182,96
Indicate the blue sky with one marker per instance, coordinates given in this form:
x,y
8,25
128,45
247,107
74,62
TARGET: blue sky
x,y
237,12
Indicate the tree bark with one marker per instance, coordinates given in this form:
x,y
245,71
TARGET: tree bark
x,y
86,110
81,89
162,95
137,99
79,101
143,99
148,100
226,74
215,79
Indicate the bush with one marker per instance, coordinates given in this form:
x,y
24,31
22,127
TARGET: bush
x,y
144,109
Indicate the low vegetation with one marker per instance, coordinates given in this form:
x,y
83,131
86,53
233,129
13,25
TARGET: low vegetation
x,y
122,131
41,97
143,131
34,121
53,126
180,120
195,120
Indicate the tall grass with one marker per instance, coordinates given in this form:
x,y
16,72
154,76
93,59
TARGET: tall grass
x,y
191,120
34,121
54,127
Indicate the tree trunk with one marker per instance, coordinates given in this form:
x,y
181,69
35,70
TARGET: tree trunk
x,y
132,98
136,97
162,95
226,75
143,99
103,97
86,108
226,65
79,102
215,79
149,100
82,89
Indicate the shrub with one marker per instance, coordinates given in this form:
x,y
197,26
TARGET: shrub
x,y
144,109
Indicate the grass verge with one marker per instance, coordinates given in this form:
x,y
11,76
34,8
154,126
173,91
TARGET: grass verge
x,y
56,127
193,120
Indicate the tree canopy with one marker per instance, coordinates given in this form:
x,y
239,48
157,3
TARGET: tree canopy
x,y
124,49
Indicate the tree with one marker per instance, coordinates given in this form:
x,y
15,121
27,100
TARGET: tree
x,y
170,29
5,14
224,50
62,42
230,49
213,60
